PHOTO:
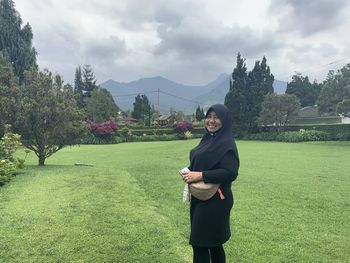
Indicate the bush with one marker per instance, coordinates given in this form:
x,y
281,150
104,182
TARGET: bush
x,y
8,164
302,136
104,129
264,136
182,127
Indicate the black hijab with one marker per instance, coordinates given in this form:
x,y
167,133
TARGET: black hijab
x,y
214,146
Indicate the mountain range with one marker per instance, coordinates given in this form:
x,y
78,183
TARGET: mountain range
x,y
168,95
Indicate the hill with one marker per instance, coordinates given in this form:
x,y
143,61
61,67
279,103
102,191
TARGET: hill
x,y
166,94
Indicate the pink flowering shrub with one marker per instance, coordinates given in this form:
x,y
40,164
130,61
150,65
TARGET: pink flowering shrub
x,y
107,128
183,126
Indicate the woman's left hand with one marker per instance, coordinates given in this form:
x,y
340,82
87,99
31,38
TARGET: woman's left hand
x,y
193,177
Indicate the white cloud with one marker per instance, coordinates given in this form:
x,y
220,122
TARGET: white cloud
x,y
189,42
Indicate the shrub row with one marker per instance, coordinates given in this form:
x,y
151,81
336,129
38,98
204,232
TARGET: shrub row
x,y
291,136
92,139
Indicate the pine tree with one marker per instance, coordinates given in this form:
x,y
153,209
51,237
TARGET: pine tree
x,y
89,81
235,99
15,41
79,87
199,114
259,84
142,109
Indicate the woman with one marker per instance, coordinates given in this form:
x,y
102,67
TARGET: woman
x,y
214,160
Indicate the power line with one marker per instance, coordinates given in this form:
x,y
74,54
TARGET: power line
x,y
181,98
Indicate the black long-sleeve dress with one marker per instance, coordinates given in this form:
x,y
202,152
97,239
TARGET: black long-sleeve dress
x,y
210,220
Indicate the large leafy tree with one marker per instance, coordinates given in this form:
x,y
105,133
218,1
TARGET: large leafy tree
x,y
279,109
235,99
49,117
305,91
142,109
101,106
260,81
335,91
15,40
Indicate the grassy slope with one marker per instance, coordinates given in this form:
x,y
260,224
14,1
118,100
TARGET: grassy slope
x,y
291,205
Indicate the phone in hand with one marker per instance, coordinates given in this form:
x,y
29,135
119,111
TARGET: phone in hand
x,y
184,171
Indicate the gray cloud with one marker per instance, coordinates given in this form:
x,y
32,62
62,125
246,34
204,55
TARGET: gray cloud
x,y
309,17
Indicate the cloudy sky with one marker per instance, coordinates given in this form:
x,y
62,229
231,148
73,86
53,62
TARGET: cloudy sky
x,y
188,41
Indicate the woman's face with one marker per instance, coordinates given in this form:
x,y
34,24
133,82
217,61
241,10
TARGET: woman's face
x,y
212,122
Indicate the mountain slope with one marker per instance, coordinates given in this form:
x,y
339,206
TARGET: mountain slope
x,y
165,94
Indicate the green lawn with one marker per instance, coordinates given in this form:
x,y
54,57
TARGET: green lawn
x,y
292,204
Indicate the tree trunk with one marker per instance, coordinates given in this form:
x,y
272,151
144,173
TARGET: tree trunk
x,y
41,160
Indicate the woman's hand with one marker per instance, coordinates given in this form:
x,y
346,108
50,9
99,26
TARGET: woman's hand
x,y
192,177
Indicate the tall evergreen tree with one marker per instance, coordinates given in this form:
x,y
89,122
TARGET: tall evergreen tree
x,y
260,83
79,87
142,109
89,81
15,40
199,114
236,99
9,96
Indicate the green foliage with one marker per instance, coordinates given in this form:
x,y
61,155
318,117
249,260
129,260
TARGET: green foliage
x,y
303,135
279,109
100,106
343,107
246,94
84,85
49,118
335,90
8,163
142,109
302,88
15,40
259,84
200,114
9,97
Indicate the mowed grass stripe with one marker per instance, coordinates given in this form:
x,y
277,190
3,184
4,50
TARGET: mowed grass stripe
x,y
71,214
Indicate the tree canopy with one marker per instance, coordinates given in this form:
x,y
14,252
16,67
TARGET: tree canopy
x,y
246,93
335,91
305,91
49,118
142,109
15,40
279,109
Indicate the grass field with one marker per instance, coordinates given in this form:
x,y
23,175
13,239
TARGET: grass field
x,y
292,204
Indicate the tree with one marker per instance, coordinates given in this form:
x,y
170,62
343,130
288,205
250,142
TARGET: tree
x,y
306,92
279,109
235,99
343,107
101,106
15,40
89,81
260,81
49,117
9,96
199,114
142,109
334,90
79,87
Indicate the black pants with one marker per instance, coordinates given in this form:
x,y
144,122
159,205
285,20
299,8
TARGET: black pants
x,y
205,254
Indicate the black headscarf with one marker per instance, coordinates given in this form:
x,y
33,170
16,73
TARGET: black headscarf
x,y
214,146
